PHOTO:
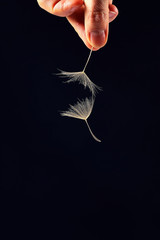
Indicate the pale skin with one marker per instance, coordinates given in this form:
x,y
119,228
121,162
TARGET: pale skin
x,y
89,18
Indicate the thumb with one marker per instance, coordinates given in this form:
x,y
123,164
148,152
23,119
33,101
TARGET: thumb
x,y
97,22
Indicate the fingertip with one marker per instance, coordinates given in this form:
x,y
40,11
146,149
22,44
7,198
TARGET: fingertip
x,y
113,8
97,38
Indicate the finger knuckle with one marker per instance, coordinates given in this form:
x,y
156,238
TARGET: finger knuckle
x,y
97,16
63,6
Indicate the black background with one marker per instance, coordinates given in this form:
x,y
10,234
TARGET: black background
x,y
56,181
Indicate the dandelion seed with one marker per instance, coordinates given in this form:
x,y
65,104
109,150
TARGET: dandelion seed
x,y
81,77
81,110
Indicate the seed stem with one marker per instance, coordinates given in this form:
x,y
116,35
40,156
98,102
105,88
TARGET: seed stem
x,y
98,140
88,60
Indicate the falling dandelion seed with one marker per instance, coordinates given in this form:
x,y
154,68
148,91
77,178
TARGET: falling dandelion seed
x,y
81,110
81,77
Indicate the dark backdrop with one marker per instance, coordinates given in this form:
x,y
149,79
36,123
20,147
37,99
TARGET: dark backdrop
x,y
56,181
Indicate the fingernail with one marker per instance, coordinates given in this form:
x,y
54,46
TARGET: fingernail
x,y
112,14
97,38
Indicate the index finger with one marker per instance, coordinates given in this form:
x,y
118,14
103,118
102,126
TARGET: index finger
x,y
61,8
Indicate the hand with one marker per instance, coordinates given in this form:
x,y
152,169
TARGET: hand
x,y
89,18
